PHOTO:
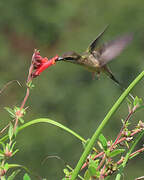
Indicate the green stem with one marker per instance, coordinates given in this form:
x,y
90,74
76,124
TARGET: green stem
x,y
72,170
128,155
46,120
103,123
49,121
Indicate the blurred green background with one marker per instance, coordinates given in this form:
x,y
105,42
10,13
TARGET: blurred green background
x,y
66,93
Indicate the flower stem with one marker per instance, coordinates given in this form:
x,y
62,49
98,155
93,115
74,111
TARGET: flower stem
x,y
120,133
29,78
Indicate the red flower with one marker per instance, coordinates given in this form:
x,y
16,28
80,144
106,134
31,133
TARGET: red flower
x,y
40,63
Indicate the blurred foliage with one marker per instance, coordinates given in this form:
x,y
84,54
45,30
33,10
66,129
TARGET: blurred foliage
x,y
66,93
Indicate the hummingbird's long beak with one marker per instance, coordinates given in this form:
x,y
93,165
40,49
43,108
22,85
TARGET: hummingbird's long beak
x,y
60,58
69,57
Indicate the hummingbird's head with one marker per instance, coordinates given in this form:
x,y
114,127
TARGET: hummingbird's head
x,y
69,57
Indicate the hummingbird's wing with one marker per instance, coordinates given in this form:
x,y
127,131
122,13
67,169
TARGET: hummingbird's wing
x,y
95,42
112,49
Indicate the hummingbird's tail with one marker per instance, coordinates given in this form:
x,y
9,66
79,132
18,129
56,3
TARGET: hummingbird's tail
x,y
109,73
120,85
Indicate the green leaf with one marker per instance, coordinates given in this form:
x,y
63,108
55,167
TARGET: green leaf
x,y
10,131
6,166
3,145
26,177
3,178
93,164
16,131
10,111
116,152
18,166
127,145
16,109
103,141
13,175
139,108
100,145
7,146
87,175
1,152
130,105
92,171
137,101
107,152
15,152
30,85
14,143
2,155
21,120
66,172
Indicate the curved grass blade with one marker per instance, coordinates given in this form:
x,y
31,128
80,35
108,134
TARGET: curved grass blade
x,y
49,121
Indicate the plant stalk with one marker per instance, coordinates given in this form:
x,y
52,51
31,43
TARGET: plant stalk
x,y
103,123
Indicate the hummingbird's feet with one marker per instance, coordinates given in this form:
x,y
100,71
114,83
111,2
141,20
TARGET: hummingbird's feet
x,y
93,75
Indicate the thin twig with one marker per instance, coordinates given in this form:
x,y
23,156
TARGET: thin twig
x,y
102,162
118,142
7,84
121,130
3,130
138,151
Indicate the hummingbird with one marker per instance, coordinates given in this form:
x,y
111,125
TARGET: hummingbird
x,y
96,58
